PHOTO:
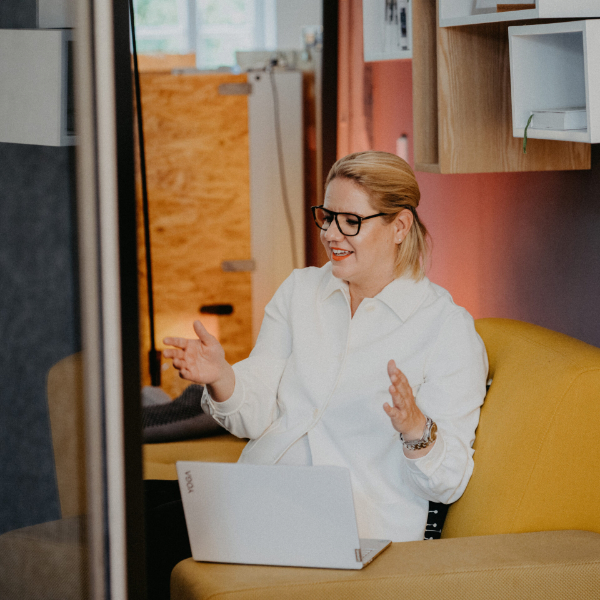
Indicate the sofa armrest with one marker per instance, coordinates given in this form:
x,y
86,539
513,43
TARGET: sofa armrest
x,y
160,459
527,566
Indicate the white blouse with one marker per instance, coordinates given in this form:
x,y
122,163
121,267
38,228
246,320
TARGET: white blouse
x,y
317,380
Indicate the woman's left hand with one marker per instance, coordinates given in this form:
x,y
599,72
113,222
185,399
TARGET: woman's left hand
x,y
405,415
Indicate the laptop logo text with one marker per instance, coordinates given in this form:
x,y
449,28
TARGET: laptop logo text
x,y
188,482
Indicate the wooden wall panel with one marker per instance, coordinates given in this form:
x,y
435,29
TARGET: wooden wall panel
x,y
199,199
424,80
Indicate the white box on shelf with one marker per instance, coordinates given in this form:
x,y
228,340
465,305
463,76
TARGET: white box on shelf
x,y
471,12
387,29
55,14
556,66
560,119
36,93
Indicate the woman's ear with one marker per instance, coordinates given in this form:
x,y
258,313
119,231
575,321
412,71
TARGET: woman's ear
x,y
402,224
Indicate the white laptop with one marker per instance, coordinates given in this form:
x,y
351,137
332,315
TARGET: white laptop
x,y
273,515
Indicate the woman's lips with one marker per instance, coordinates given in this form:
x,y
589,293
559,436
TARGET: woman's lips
x,y
341,254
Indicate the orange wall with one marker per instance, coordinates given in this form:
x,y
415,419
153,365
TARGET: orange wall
x,y
518,245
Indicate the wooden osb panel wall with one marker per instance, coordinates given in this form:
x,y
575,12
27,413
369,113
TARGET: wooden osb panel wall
x,y
199,200
165,63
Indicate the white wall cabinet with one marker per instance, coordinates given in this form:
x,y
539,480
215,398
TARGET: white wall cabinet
x,y
36,91
470,12
387,29
556,66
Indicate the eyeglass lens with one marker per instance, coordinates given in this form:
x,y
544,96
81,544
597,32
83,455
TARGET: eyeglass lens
x,y
348,224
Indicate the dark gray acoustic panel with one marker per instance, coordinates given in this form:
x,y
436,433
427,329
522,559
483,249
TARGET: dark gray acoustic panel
x,y
18,14
39,320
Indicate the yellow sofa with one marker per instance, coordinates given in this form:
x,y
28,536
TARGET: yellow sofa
x,y
527,526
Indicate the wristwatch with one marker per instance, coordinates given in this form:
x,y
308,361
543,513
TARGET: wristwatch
x,y
429,436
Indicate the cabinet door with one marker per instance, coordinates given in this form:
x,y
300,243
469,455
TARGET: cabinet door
x,y
462,99
199,201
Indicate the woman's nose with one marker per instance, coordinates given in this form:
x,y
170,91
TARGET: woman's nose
x,y
333,232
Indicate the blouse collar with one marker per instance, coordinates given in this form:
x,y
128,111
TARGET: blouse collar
x,y
403,295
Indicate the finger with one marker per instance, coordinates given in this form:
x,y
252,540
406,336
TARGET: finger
x,y
392,412
176,341
398,400
396,376
401,378
179,363
202,333
401,386
173,353
391,368
395,373
399,381
185,374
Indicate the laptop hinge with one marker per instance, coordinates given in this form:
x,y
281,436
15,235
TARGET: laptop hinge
x,y
358,555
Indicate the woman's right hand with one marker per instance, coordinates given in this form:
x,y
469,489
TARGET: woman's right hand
x,y
202,361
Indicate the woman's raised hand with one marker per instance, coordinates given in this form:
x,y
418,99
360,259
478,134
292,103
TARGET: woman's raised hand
x,y
202,361
405,415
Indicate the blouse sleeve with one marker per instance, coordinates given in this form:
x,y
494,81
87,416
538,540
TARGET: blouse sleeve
x,y
253,405
451,394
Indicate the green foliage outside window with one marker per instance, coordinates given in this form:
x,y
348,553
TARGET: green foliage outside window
x,y
223,26
156,12
225,12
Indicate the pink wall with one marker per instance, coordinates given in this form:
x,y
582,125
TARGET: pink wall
x,y
518,245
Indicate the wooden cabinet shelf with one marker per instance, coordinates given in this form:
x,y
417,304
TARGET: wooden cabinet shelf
x,y
462,103
470,12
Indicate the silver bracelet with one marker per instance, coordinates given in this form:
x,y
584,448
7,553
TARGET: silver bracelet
x,y
429,436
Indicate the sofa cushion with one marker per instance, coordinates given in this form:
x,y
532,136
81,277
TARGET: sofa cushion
x,y
560,565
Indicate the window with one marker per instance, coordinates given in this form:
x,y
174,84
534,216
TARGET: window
x,y
213,29
163,26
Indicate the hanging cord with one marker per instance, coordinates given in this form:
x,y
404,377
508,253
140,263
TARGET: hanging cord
x,y
154,356
525,134
280,160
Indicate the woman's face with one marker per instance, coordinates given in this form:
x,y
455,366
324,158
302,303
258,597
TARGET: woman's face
x,y
366,261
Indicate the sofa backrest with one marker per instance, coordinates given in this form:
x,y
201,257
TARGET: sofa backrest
x,y
66,409
537,450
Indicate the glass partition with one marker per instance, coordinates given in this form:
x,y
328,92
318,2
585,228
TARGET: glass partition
x,y
70,519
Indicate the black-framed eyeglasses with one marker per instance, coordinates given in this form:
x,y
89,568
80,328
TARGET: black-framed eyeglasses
x,y
348,223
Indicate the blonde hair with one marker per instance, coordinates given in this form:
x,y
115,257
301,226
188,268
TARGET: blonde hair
x,y
391,186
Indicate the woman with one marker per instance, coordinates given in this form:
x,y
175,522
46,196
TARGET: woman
x,y
355,353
